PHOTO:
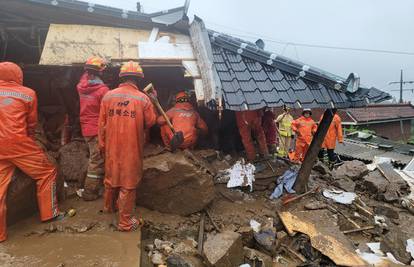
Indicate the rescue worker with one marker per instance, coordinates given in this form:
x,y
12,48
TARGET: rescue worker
x,y
18,119
125,114
91,90
304,127
284,122
270,130
251,121
184,119
333,135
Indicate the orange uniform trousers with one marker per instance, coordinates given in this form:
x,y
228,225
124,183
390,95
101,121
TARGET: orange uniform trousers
x,y
248,122
37,166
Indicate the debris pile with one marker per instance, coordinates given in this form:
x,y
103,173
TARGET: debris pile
x,y
179,183
244,214
326,226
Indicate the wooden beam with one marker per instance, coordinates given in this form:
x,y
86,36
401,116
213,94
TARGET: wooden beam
x,y
314,148
201,234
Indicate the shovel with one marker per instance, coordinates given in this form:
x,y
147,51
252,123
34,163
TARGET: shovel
x,y
178,137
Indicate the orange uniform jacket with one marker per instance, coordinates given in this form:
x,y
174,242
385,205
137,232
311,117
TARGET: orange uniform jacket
x,y
185,119
334,133
18,119
125,114
18,116
304,129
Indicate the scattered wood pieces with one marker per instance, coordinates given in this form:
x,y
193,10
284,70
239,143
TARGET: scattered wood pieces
x,y
289,199
363,210
294,253
358,229
354,223
213,222
324,235
201,234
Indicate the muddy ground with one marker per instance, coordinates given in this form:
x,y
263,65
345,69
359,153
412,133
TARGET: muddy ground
x,y
89,238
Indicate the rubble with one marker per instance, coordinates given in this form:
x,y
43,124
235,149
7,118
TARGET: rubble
x,y
395,242
266,236
175,183
354,170
390,212
375,183
324,235
322,168
73,161
184,261
224,249
346,184
255,258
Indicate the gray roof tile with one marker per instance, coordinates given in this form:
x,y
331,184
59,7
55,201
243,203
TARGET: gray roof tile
x,y
250,80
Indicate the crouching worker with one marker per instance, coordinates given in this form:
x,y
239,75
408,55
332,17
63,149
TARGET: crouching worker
x,y
184,119
125,114
18,119
91,90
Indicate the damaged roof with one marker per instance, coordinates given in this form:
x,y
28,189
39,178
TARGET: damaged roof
x,y
71,11
352,149
252,78
381,113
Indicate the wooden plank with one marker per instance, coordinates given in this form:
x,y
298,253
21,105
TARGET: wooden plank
x,y
203,53
67,44
201,234
313,151
324,235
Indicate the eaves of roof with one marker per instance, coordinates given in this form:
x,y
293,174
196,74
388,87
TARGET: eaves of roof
x,y
80,12
252,78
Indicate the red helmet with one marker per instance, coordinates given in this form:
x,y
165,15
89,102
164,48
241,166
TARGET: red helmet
x,y
181,97
95,63
131,69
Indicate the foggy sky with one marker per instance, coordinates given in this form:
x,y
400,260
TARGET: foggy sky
x,y
368,24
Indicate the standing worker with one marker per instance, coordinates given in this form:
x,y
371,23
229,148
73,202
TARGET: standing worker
x,y
333,135
18,117
270,130
91,90
284,122
184,119
304,127
251,121
125,114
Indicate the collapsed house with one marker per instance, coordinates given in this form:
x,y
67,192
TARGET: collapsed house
x,y
52,39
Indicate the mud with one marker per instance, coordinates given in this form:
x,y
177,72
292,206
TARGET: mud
x,y
87,239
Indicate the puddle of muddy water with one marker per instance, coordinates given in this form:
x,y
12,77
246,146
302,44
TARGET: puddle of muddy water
x,y
29,245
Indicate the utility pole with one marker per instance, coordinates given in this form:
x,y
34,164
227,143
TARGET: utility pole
x,y
401,82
